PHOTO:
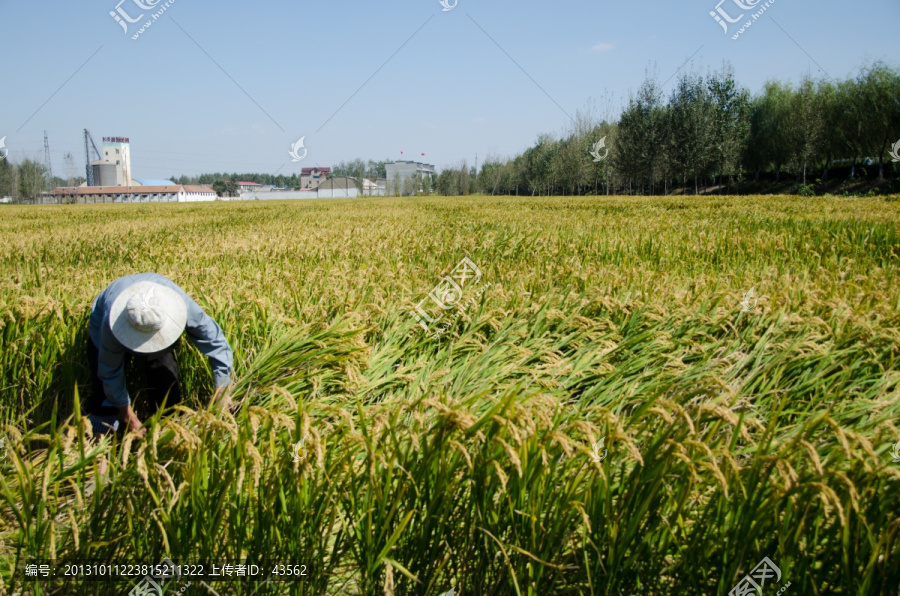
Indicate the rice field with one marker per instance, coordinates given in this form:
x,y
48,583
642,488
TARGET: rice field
x,y
615,412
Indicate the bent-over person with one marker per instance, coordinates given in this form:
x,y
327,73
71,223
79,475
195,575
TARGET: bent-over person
x,y
139,319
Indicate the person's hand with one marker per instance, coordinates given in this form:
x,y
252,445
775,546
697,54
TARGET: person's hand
x,y
222,399
132,422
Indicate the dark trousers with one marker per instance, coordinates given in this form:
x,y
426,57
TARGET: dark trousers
x,y
160,372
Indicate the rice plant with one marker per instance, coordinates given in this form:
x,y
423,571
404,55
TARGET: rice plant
x,y
474,461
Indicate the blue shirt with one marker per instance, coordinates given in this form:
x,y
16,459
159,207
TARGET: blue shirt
x,y
201,329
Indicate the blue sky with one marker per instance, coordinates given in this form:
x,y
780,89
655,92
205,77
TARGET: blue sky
x,y
449,92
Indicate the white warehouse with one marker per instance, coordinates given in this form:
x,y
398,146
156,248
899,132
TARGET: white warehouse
x,y
179,193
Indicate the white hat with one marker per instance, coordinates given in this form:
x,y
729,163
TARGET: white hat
x,y
148,317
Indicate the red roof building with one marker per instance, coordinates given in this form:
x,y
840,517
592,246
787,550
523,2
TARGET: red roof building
x,y
313,177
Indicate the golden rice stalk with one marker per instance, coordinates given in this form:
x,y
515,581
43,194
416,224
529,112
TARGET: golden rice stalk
x,y
185,435
286,395
52,532
814,457
841,435
500,474
513,456
680,412
464,452
388,579
142,464
256,463
74,524
662,413
621,437
830,500
854,494
162,472
155,515
788,473
126,447
561,439
176,496
864,442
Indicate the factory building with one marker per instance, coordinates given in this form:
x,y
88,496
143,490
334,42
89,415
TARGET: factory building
x,y
115,161
399,172
180,193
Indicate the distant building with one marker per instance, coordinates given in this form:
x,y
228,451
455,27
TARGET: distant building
x,y
242,186
338,187
152,182
346,187
180,193
117,152
398,172
312,177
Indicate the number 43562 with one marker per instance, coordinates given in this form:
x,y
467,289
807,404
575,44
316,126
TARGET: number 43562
x,y
298,570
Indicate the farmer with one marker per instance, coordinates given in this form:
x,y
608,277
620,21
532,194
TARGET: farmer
x,y
139,319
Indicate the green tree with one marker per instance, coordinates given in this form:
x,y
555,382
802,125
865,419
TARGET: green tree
x,y
640,139
7,179
31,180
691,129
769,142
880,94
805,130
731,123
831,116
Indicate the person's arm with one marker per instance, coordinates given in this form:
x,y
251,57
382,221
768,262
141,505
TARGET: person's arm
x,y
206,334
111,370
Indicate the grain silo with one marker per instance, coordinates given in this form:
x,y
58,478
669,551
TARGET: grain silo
x,y
105,173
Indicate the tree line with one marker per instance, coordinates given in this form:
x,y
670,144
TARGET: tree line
x,y
29,179
710,133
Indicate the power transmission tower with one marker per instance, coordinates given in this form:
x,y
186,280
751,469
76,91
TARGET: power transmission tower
x,y
47,165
